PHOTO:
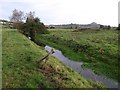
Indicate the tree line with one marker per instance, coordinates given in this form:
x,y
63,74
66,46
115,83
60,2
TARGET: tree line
x,y
27,24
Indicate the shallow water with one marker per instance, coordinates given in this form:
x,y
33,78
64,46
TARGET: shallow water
x,y
86,73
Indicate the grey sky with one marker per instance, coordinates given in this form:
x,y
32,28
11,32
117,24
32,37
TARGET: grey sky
x,y
65,11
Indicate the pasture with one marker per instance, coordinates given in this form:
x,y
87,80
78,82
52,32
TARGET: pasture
x,y
20,58
98,49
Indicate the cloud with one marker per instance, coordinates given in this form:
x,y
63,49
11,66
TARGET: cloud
x,y
66,11
119,12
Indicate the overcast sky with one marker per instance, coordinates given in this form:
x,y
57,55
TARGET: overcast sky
x,y
65,11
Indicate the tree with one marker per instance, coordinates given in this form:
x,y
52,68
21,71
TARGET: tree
x,y
37,20
108,27
101,26
33,26
17,16
118,28
30,15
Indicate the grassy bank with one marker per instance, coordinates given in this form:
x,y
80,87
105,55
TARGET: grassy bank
x,y
19,61
97,49
20,66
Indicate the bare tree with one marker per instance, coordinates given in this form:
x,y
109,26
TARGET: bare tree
x,y
30,15
17,16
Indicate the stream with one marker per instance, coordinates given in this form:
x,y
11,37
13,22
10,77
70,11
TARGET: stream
x,y
86,73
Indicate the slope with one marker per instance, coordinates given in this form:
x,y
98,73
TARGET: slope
x,y
20,67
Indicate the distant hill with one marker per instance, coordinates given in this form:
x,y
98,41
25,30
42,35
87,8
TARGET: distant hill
x,y
92,25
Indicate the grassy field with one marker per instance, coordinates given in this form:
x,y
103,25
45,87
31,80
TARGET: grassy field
x,y
20,59
98,49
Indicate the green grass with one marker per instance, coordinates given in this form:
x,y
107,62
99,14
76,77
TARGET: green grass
x,y
21,69
19,61
97,49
